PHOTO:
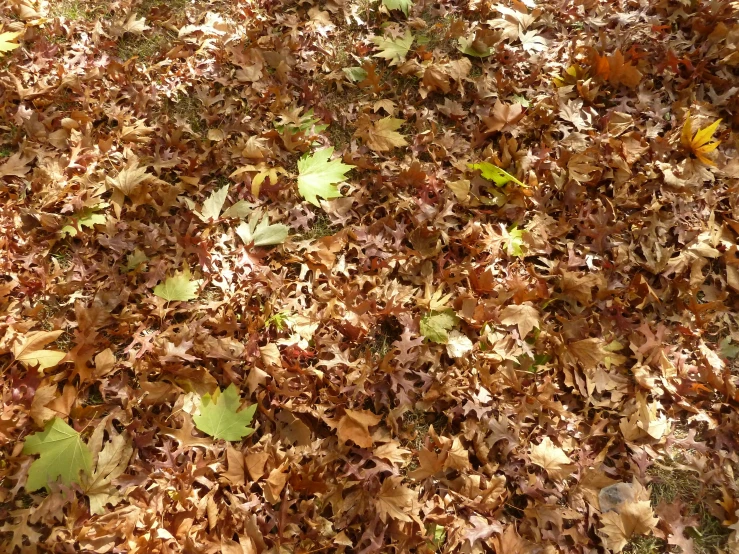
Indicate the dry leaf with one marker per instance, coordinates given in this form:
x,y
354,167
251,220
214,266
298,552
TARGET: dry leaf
x,y
354,425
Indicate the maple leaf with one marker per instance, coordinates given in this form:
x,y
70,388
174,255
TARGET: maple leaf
x,y
397,501
219,417
393,50
616,70
259,232
179,287
632,518
524,316
30,350
354,425
699,144
381,136
436,325
213,205
552,458
6,44
128,179
504,116
63,454
111,463
402,5
318,176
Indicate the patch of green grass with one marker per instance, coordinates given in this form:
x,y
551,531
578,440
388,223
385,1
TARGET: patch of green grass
x,y
94,397
71,10
187,109
710,536
5,151
78,10
177,7
146,48
340,136
670,485
645,545
321,228
65,342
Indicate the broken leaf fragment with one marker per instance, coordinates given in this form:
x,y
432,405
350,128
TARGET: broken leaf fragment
x,y
318,176
63,454
219,416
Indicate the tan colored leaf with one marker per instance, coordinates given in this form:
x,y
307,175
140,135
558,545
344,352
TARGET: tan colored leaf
x,y
255,463
112,462
634,518
396,501
589,352
236,463
16,165
382,135
129,179
41,398
354,425
430,463
274,484
552,458
393,453
510,542
29,350
104,363
524,316
504,116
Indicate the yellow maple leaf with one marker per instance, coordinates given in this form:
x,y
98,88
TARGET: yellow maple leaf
x,y
700,144
6,44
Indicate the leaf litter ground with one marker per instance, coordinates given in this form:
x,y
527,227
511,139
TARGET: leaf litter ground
x,y
471,266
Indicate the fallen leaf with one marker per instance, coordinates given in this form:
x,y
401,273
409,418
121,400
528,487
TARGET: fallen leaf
x,y
354,425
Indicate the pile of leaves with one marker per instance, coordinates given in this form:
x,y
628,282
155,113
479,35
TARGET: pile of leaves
x,y
369,276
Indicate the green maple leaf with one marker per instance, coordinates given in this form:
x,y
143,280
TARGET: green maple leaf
x,y
435,326
63,454
218,416
394,50
402,5
495,174
178,287
318,176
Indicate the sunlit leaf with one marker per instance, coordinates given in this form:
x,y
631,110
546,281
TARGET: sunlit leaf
x,y
219,416
493,173
318,176
393,50
178,288
402,5
63,454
